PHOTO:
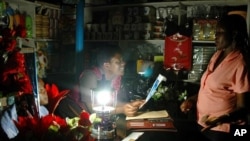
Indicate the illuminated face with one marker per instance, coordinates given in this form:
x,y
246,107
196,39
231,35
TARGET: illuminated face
x,y
116,65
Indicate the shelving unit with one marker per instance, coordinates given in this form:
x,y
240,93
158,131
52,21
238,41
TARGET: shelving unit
x,y
174,3
29,44
88,10
132,44
30,9
63,65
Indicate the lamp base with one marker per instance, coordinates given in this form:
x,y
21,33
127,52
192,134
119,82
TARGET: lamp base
x,y
103,135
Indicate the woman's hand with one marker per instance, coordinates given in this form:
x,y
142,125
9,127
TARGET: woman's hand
x,y
188,104
130,109
214,121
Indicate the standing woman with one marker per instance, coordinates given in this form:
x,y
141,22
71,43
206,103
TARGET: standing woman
x,y
221,101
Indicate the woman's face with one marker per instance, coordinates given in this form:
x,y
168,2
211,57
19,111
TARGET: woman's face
x,y
117,65
221,40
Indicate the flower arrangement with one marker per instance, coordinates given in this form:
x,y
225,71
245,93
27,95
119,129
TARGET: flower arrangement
x,y
168,97
15,81
169,93
13,73
32,127
52,127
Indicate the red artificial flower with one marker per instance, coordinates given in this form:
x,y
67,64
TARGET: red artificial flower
x,y
18,59
15,64
27,124
13,70
21,123
14,74
24,84
54,96
41,127
52,119
52,127
84,115
84,119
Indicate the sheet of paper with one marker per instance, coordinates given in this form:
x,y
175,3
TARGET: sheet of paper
x,y
133,136
150,114
157,82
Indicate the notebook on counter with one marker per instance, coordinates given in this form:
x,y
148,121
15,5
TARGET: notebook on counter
x,y
150,115
150,120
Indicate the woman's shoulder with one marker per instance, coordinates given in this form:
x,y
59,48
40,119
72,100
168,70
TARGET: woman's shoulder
x,y
91,73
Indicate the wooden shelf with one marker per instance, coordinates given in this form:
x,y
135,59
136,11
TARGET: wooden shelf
x,y
174,3
124,40
203,41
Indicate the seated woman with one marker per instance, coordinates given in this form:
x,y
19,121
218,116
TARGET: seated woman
x,y
107,71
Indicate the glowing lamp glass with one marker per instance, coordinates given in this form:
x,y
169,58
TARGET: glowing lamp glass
x,y
103,100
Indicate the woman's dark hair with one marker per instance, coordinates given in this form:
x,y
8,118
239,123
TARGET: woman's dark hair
x,y
105,53
235,27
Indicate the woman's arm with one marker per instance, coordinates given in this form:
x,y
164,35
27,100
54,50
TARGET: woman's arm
x,y
129,109
241,111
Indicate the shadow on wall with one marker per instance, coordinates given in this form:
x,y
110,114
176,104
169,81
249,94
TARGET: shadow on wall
x,y
63,81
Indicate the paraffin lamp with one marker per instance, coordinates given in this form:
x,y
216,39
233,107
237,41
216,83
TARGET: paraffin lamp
x,y
103,103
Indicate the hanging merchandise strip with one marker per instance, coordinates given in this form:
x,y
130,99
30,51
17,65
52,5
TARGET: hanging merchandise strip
x,y
178,52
